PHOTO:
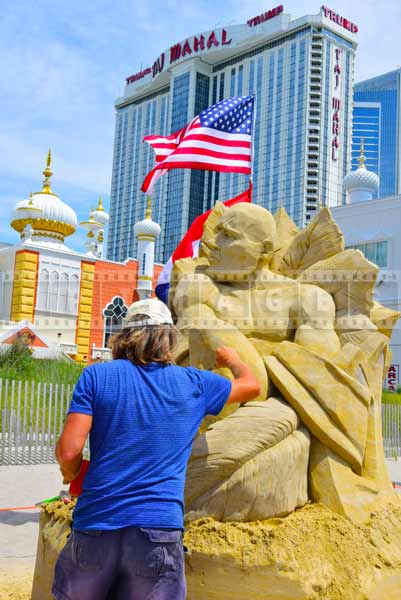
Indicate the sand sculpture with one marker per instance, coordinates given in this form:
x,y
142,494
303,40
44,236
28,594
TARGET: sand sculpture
x,y
299,310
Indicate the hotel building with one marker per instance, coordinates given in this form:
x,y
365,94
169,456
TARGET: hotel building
x,y
301,72
377,121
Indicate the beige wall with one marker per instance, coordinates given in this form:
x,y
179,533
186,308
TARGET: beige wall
x,y
50,325
7,259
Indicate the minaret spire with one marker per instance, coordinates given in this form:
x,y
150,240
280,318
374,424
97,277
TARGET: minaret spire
x,y
362,157
148,212
47,173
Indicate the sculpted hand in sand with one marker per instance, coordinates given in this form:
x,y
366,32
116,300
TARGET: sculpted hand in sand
x,y
298,311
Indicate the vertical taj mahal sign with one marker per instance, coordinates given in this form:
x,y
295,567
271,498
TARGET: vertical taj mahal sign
x,y
336,105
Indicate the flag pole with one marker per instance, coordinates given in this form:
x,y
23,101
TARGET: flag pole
x,y
252,146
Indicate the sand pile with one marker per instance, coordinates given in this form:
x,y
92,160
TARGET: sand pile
x,y
54,528
16,585
313,554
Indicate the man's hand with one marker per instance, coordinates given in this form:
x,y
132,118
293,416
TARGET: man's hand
x,y
226,357
245,385
71,443
68,473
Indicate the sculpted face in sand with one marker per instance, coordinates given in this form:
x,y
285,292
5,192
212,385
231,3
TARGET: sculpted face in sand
x,y
242,238
275,294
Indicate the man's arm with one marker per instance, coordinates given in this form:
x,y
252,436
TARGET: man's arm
x,y
245,386
71,444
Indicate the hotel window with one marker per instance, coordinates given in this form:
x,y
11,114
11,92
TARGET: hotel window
x,y
113,314
232,84
252,77
240,80
376,252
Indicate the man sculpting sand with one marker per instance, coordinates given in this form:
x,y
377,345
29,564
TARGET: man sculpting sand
x,y
142,413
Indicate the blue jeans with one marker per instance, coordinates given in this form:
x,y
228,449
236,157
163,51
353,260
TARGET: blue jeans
x,y
133,563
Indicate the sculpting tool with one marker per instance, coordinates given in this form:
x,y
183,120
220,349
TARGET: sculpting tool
x,y
48,500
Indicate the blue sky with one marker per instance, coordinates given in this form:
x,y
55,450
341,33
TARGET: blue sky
x,y
64,63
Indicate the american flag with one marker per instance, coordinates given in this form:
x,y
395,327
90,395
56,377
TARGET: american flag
x,y
218,139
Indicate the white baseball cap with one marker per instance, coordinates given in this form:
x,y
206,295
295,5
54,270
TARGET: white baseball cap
x,y
156,311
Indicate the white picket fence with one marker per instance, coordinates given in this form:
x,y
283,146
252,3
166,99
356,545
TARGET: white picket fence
x,y
31,419
391,424
32,416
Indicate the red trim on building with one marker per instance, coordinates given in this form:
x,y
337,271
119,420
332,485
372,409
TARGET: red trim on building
x,y
112,279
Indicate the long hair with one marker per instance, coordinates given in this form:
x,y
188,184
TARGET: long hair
x,y
142,345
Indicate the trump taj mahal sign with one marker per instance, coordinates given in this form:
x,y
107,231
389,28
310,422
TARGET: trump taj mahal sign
x,y
196,44
220,38
190,46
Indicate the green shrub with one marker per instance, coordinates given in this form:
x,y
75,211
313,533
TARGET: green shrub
x,y
16,359
391,397
17,363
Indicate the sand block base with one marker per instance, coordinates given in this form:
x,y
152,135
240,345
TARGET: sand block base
x,y
312,554
54,528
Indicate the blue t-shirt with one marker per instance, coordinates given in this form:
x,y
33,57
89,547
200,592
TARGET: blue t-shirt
x,y
144,421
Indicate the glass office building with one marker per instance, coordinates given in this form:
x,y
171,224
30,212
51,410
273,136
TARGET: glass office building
x,y
301,72
376,120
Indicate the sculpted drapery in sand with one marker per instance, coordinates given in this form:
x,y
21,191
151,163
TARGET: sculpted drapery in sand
x,y
298,308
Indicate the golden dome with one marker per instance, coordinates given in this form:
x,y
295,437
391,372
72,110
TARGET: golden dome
x,y
48,215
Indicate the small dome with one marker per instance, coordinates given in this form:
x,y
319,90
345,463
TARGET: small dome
x,y
100,215
147,226
362,178
45,212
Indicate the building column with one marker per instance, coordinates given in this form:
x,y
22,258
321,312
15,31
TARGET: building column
x,y
82,334
25,285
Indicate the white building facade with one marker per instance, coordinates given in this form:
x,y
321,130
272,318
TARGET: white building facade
x,y
374,227
57,300
301,72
